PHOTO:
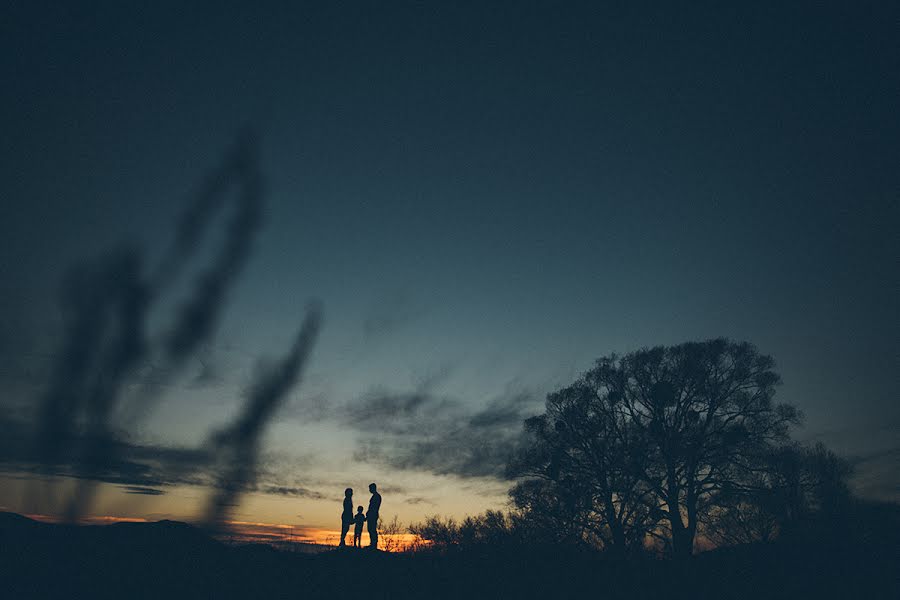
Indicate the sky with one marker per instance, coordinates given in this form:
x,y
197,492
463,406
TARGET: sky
x,y
483,198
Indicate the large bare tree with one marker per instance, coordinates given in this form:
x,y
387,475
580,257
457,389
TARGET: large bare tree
x,y
656,441
706,413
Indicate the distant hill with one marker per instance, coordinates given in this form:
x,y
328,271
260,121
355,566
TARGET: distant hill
x,y
168,559
10,522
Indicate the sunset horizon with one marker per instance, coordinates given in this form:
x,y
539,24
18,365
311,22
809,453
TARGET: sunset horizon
x,y
470,299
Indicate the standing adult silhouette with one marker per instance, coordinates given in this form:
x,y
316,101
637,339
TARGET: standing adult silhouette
x,y
347,515
372,516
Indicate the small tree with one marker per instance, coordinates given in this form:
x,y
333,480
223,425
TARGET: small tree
x,y
390,532
436,532
493,528
794,486
802,482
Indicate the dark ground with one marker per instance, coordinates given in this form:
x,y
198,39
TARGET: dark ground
x,y
174,560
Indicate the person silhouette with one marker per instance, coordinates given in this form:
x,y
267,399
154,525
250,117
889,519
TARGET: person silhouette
x,y
347,515
372,516
359,519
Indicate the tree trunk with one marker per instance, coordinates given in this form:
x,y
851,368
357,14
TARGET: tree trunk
x,y
690,530
618,535
616,529
682,538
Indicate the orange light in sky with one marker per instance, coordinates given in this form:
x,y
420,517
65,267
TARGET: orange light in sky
x,y
265,533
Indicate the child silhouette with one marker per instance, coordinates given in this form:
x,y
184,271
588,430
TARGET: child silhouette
x,y
359,519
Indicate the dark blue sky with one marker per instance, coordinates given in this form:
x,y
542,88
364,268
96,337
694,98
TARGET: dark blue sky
x,y
486,196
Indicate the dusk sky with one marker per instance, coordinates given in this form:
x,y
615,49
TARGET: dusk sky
x,y
485,197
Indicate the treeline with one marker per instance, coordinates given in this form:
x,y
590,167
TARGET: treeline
x,y
667,449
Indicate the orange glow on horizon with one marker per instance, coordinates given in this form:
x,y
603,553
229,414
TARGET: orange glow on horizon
x,y
278,533
93,520
263,533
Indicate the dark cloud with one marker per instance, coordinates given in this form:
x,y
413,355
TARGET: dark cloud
x,y
418,500
141,469
143,491
439,435
464,452
426,431
399,414
293,492
502,412
128,464
383,410
392,489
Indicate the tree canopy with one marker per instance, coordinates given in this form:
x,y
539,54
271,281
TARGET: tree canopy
x,y
657,443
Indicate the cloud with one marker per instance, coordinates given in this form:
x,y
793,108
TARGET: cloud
x,y
129,464
418,500
463,451
141,469
293,492
503,411
421,432
142,491
392,489
385,412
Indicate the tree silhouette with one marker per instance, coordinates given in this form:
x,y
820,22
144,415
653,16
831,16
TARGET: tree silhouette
x,y
793,487
705,414
492,529
391,532
585,460
661,440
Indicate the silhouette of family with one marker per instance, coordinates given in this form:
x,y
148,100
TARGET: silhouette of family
x,y
371,518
